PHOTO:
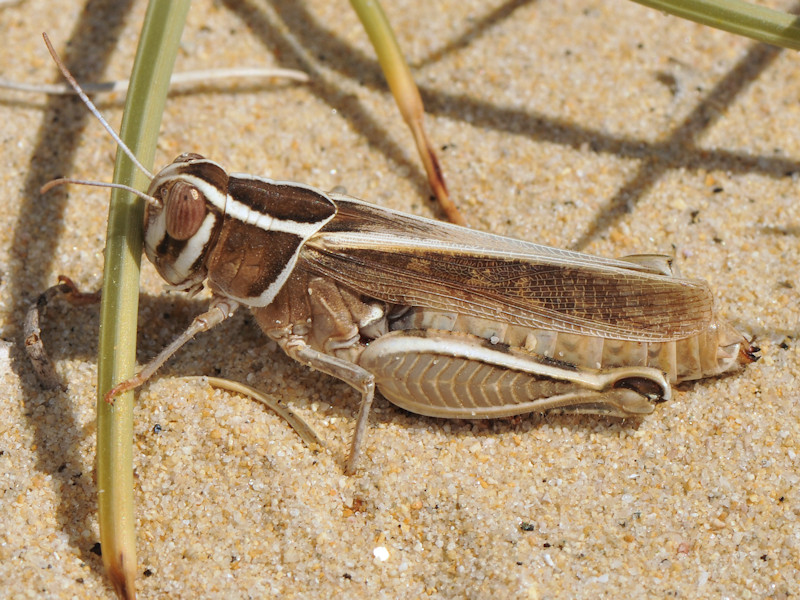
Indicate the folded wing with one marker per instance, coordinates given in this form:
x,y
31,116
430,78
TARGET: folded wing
x,y
408,260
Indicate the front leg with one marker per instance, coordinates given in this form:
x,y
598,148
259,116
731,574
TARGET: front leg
x,y
220,309
353,375
34,345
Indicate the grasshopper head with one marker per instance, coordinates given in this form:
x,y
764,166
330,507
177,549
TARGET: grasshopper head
x,y
181,226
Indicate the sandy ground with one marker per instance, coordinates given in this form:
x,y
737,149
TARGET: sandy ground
x,y
595,125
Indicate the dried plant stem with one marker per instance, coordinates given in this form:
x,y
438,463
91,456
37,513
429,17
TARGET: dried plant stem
x,y
407,96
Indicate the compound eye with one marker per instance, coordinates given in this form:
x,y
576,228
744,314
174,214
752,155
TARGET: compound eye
x,y
185,210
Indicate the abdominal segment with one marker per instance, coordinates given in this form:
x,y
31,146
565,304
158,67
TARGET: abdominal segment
x,y
710,352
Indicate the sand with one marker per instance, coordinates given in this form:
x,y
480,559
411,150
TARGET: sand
x,y
599,126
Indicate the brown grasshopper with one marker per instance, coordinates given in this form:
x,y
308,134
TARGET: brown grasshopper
x,y
445,321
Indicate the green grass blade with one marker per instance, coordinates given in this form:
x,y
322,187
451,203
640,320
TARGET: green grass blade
x,y
750,20
158,46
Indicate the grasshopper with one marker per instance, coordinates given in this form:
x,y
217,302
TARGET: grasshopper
x,y
443,320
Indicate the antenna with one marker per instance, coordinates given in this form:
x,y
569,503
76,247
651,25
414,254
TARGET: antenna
x,y
64,180
90,105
